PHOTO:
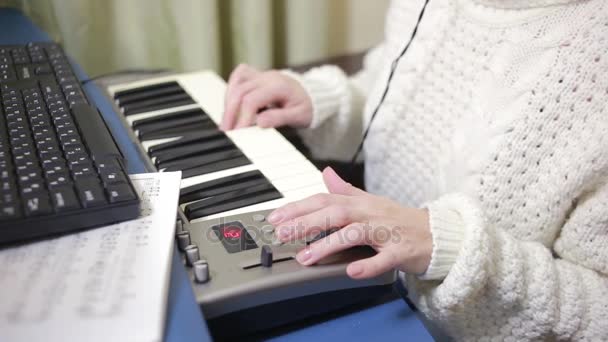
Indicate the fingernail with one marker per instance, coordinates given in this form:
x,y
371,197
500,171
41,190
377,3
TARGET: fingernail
x,y
275,217
355,269
304,256
285,233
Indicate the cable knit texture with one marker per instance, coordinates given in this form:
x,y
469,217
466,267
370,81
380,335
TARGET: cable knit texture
x,y
497,120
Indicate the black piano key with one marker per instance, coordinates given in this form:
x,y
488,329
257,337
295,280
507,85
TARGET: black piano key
x,y
187,139
178,131
232,200
162,126
172,88
221,185
196,113
201,160
144,89
158,103
191,150
214,167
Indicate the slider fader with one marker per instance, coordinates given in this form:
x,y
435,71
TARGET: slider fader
x,y
245,280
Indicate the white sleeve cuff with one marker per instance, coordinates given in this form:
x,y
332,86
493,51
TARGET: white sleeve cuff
x,y
325,95
448,230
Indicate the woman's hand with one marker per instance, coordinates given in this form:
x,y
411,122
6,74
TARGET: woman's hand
x,y
269,98
400,235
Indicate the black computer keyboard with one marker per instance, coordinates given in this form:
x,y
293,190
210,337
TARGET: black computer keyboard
x,y
60,170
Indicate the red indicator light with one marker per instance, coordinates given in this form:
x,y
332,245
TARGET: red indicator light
x,y
232,232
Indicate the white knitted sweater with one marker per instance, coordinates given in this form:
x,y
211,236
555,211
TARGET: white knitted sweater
x,y
497,119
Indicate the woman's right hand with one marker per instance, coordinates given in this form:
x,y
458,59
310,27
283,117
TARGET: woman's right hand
x,y
268,98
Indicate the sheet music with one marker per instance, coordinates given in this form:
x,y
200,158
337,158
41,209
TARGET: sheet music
x,y
106,284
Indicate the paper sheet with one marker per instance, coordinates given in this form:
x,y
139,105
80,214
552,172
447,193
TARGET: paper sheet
x,y
106,284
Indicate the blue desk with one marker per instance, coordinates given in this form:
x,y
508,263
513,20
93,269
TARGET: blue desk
x,y
390,320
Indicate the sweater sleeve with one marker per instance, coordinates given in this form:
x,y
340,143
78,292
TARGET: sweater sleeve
x,y
529,291
338,102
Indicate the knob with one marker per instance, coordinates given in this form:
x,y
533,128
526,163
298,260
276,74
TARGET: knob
x,y
266,256
183,240
191,254
179,226
200,268
258,217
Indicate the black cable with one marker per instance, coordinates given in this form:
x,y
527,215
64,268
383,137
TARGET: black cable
x,y
388,82
125,72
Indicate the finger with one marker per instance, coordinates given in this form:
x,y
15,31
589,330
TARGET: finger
x,y
240,74
382,262
334,216
253,101
302,207
274,117
337,185
347,237
233,103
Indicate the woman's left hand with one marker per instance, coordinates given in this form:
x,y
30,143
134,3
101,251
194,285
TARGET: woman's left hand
x,y
401,236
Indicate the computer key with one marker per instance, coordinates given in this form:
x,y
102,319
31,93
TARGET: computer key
x,y
90,192
58,179
64,199
9,211
120,192
37,204
113,177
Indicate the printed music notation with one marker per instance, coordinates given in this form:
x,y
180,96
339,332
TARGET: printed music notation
x,y
104,284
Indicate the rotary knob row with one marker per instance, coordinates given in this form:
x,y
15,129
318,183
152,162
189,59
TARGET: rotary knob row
x,y
200,267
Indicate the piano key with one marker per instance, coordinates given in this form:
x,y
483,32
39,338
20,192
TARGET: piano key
x,y
157,91
178,131
194,112
191,150
184,140
186,182
207,89
287,163
263,141
251,178
240,203
232,200
220,186
158,103
200,160
287,197
148,143
142,88
170,120
135,117
217,166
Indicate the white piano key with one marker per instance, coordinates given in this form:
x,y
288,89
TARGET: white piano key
x,y
286,171
147,144
262,163
134,117
208,90
186,182
113,89
255,141
286,185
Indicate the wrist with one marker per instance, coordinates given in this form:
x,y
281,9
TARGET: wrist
x,y
446,227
